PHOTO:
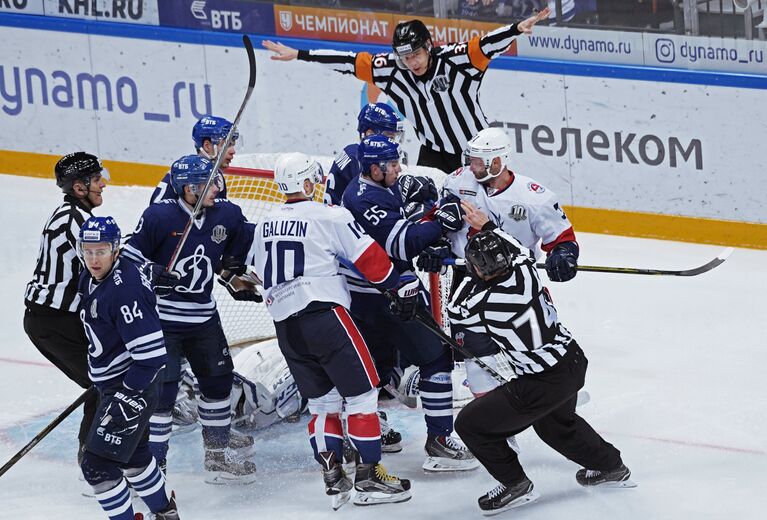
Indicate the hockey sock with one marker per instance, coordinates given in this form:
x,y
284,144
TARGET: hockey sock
x,y
149,483
161,422
216,420
160,427
116,502
436,390
326,434
365,435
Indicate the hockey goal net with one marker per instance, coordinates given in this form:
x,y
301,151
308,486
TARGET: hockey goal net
x,y
250,184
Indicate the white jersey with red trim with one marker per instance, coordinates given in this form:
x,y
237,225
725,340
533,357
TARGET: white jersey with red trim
x,y
524,209
297,249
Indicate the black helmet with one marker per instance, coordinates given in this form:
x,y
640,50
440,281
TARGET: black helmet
x,y
409,37
77,166
489,254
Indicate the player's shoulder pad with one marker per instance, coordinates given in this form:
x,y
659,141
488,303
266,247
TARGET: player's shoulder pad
x,y
128,276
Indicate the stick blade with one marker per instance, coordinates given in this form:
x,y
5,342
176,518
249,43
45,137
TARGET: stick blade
x,y
251,59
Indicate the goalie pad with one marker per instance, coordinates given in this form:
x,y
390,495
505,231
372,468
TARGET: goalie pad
x,y
264,391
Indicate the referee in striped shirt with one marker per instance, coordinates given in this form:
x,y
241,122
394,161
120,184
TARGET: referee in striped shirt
x,y
51,320
436,88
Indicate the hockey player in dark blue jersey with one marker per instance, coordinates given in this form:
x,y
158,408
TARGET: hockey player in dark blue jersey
x,y
218,240
119,314
208,134
379,210
374,118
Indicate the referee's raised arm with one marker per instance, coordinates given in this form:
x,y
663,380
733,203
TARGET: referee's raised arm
x,y
435,88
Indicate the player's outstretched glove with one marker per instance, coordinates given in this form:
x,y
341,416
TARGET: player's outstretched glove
x,y
417,189
562,262
450,213
163,282
123,412
404,299
239,289
432,257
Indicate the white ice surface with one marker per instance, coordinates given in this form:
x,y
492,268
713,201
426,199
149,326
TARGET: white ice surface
x,y
676,378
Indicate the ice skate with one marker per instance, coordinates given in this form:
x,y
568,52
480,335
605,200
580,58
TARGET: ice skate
x,y
391,440
619,477
446,454
375,486
242,444
502,497
351,457
337,485
184,414
225,466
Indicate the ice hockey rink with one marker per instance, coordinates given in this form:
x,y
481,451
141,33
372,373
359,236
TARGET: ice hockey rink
x,y
676,378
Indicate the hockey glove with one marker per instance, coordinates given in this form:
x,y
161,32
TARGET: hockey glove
x,y
239,289
416,211
233,265
417,189
123,412
431,258
163,282
562,262
450,213
404,299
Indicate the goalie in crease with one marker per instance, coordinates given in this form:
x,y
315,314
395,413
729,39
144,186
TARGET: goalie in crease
x,y
218,241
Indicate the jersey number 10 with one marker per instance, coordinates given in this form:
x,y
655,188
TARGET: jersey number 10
x,y
276,261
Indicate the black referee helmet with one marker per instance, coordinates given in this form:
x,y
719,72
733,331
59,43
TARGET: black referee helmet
x,y
410,36
77,166
489,255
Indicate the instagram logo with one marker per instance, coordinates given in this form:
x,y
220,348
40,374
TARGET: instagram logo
x,y
664,50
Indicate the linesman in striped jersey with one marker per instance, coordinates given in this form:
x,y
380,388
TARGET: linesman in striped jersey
x,y
505,300
51,299
435,88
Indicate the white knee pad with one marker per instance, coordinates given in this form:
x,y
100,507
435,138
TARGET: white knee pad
x,y
480,381
363,403
332,402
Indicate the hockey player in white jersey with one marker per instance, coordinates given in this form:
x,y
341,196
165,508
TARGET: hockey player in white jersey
x,y
493,196
297,250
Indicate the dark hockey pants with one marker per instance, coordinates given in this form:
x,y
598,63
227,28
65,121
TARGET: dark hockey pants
x,y
60,337
545,401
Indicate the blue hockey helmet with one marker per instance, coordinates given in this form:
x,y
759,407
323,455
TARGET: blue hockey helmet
x,y
96,230
189,170
380,118
377,149
213,129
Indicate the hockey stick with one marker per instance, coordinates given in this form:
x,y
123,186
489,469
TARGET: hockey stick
x,y
720,258
220,156
48,429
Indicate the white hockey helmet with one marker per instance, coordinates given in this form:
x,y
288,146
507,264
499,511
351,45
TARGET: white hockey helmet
x,y
292,169
487,145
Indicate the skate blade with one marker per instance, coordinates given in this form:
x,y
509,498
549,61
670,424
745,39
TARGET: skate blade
x,y
374,498
519,502
628,483
222,478
391,448
439,464
338,500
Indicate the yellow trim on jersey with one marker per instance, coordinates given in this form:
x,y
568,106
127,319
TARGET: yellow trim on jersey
x,y
585,220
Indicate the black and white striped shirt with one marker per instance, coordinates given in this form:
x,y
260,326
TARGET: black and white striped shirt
x,y
54,283
515,309
443,105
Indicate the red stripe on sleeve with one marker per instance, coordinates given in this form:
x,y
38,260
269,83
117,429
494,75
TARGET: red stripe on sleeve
x,y
374,263
568,235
